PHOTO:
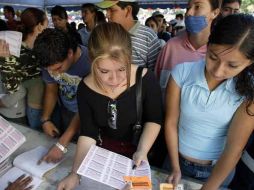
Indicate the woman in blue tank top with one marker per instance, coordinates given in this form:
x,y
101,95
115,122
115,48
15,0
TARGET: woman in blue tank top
x,y
209,105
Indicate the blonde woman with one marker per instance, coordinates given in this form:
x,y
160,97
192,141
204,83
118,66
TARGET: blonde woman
x,y
107,100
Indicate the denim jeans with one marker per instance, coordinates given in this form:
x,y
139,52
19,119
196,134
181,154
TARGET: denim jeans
x,y
34,117
201,172
194,170
197,171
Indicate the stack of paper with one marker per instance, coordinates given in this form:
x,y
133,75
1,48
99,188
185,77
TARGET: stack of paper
x,y
26,163
10,139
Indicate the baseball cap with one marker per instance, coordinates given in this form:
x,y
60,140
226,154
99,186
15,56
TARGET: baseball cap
x,y
157,13
106,4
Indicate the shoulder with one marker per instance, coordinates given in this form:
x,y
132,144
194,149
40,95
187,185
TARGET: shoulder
x,y
188,70
146,32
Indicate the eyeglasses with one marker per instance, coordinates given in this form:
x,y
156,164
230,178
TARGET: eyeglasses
x,y
112,114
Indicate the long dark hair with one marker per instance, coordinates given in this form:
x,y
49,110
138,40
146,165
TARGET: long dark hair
x,y
238,30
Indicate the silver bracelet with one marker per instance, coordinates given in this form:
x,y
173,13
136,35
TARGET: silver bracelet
x,y
61,147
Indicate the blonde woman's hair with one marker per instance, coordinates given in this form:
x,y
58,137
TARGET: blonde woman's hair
x,y
112,41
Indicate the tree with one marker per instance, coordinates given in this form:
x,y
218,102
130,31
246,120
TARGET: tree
x,y
247,6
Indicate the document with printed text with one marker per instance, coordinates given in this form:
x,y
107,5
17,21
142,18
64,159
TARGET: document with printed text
x,y
10,139
110,168
26,163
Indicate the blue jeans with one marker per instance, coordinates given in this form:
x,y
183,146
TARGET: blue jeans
x,y
34,117
201,172
197,171
194,170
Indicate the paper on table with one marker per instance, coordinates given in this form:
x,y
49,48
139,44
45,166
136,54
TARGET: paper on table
x,y
27,161
168,186
10,139
14,39
109,168
13,174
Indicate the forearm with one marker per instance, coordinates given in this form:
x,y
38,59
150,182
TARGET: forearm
x,y
83,146
171,136
222,169
50,100
71,130
150,133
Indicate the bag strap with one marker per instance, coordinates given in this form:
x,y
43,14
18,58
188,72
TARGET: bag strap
x,y
139,95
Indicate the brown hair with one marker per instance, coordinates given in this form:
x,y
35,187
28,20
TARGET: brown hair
x,y
110,40
30,18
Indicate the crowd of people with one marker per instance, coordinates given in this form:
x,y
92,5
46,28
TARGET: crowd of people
x,y
81,86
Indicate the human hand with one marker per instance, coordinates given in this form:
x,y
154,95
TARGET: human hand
x,y
50,129
138,156
54,155
4,49
174,178
69,182
22,183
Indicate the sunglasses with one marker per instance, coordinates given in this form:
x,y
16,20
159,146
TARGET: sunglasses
x,y
112,114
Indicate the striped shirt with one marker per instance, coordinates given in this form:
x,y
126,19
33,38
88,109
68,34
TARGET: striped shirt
x,y
145,46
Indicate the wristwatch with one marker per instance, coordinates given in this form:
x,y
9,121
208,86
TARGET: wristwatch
x,y
61,147
44,121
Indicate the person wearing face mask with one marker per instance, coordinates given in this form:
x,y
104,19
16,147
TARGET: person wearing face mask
x,y
209,106
190,45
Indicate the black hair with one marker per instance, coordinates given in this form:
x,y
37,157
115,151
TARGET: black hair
x,y
52,46
237,30
3,25
231,1
215,4
90,6
152,18
100,17
59,11
10,9
180,15
134,5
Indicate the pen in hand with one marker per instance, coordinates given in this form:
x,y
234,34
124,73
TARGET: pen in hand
x,y
134,166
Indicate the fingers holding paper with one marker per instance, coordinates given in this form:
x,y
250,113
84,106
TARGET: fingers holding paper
x,y
174,178
138,157
4,49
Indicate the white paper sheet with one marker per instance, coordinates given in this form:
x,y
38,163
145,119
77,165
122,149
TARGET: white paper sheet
x,y
14,39
27,161
10,139
13,174
109,168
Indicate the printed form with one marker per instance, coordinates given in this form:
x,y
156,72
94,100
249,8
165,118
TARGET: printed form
x,y
109,168
10,139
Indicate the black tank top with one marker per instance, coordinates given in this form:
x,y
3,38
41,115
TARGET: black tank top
x,y
250,147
